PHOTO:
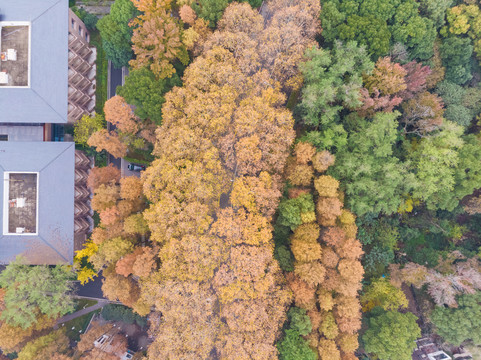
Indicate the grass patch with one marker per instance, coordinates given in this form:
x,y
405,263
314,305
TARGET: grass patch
x,y
102,72
134,159
84,303
73,327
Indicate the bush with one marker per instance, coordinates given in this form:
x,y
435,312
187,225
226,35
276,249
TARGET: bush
x,y
123,313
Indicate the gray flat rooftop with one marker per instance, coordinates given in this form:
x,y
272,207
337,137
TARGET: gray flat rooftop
x,y
54,166
44,100
21,132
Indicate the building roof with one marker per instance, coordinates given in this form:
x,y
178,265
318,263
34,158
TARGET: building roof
x,y
46,95
54,163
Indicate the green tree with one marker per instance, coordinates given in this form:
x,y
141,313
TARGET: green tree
x,y
416,32
457,325
456,54
435,161
116,32
86,126
299,320
379,24
291,211
143,90
391,335
210,10
34,290
294,347
332,81
88,19
369,31
373,178
435,10
382,293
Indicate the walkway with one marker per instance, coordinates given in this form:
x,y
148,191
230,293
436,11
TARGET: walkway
x,y
82,312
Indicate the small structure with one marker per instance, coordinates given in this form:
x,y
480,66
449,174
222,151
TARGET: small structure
x,y
427,350
114,342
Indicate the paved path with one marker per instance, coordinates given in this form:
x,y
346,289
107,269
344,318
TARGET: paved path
x,y
82,312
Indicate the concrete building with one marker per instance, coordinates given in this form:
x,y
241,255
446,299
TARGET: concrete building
x,y
81,70
44,204
37,201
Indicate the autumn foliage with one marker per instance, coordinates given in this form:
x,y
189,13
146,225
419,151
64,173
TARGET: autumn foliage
x,y
214,187
327,269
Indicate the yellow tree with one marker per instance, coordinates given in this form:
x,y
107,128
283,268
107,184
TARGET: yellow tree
x,y
157,40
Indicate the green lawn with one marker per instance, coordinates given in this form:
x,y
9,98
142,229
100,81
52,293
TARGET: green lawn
x,y
73,327
102,70
84,303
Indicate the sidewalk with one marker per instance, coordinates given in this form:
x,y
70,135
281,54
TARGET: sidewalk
x,y
82,312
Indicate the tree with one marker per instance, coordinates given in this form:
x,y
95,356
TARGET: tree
x,y
109,141
435,161
105,196
416,79
293,347
391,335
381,293
292,211
435,10
31,291
455,53
326,90
377,24
120,114
210,10
157,43
367,188
44,346
423,114
86,126
328,350
459,324
116,33
387,77
102,176
366,30
146,93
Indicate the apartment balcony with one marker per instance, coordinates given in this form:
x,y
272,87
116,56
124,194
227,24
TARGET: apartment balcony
x,y
80,176
81,160
81,226
81,193
91,105
91,90
92,57
74,113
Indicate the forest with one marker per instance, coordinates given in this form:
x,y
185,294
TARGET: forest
x,y
312,188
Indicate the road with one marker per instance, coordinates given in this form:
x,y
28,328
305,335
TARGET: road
x,y
91,289
117,78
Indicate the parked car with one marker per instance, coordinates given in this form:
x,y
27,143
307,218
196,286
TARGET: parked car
x,y
135,167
